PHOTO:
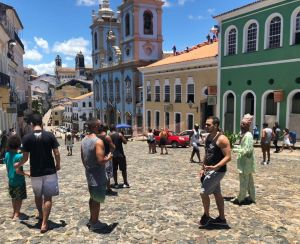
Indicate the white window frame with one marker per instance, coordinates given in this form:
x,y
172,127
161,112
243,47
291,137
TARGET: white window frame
x,y
177,82
225,109
267,29
157,84
147,117
226,46
167,83
190,81
155,119
245,34
243,103
175,121
187,120
293,25
148,85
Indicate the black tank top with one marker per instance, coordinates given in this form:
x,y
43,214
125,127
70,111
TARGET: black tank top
x,y
106,144
117,140
214,154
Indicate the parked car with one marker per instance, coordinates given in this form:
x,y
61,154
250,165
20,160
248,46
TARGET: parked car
x,y
174,139
189,133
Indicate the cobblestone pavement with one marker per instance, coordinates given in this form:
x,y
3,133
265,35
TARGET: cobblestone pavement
x,y
163,203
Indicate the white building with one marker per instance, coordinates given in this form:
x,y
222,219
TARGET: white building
x,y
68,114
82,110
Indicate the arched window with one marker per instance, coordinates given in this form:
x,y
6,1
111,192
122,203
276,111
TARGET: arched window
x,y
104,90
230,40
271,106
274,34
83,104
117,84
190,89
148,91
296,103
95,40
90,104
127,24
252,38
249,104
167,91
148,23
295,27
149,119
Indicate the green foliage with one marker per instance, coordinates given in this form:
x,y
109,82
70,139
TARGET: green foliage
x,y
232,137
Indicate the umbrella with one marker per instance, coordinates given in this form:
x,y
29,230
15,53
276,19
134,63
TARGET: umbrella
x,y
123,126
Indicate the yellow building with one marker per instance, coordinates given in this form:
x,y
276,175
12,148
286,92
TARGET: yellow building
x,y
57,115
180,90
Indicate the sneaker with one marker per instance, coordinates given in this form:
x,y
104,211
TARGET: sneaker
x,y
98,226
116,186
205,220
219,221
110,192
126,185
268,162
263,163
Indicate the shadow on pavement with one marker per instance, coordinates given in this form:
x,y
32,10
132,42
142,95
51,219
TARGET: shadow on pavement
x,y
215,227
227,199
107,230
52,225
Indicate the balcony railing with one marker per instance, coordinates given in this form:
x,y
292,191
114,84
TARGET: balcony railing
x,y
4,80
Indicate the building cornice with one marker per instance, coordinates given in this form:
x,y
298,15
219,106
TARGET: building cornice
x,y
186,65
246,9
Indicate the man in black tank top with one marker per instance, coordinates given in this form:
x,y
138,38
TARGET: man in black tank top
x,y
119,159
217,155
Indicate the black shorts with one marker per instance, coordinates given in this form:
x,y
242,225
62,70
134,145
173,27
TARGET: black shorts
x,y
17,192
119,163
163,142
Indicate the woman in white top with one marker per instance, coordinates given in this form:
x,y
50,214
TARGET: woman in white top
x,y
286,140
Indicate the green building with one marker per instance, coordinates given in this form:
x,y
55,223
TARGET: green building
x,y
259,64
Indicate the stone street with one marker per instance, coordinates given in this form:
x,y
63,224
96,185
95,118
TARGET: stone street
x,y
163,204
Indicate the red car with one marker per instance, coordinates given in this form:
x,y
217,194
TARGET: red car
x,y
173,139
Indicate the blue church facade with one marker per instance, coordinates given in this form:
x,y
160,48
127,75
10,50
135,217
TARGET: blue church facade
x,y
123,42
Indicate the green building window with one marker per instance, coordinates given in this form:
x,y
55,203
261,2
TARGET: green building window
x,y
252,38
271,106
296,104
297,31
275,32
232,42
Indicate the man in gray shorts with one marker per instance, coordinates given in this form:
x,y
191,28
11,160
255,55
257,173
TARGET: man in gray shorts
x,y
40,145
217,155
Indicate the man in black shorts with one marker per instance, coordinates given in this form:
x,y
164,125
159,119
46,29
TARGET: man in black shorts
x,y
119,159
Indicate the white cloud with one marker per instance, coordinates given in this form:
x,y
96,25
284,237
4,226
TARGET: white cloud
x,y
167,3
199,17
42,43
43,68
69,58
32,54
88,61
87,2
72,46
211,10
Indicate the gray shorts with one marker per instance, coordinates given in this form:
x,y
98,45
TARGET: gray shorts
x,y
46,185
211,182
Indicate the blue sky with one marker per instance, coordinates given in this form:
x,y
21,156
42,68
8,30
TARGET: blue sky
x,y
61,27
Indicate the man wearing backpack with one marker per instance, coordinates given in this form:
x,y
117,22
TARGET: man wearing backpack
x,y
69,141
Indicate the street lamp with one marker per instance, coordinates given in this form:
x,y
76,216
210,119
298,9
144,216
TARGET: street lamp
x,y
191,106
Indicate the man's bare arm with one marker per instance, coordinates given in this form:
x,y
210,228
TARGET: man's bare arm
x,y
101,159
123,139
57,158
112,146
23,161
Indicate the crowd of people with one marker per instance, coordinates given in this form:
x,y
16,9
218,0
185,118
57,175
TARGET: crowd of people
x,y
102,155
